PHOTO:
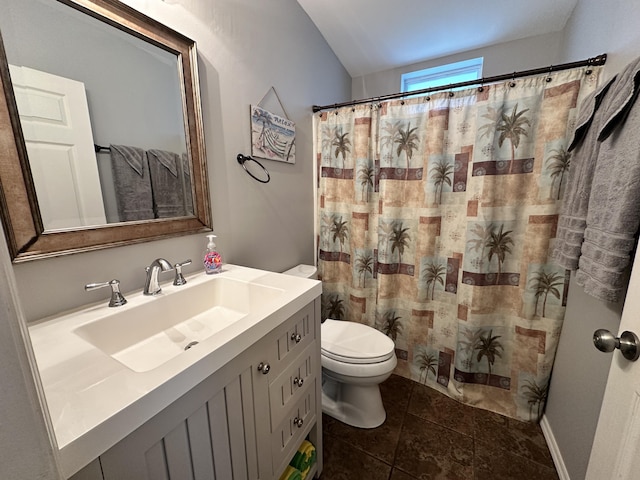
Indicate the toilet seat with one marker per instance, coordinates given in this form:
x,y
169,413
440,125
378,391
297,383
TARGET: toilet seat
x,y
354,343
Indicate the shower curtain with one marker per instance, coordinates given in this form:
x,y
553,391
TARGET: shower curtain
x,y
437,217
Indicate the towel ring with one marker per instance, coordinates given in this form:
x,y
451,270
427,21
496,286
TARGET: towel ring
x,y
243,158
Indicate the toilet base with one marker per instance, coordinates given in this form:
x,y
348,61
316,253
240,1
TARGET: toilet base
x,y
356,405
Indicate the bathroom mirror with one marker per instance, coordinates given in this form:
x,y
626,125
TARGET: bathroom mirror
x,y
139,86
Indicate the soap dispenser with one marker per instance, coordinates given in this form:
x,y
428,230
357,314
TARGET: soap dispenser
x,y
212,260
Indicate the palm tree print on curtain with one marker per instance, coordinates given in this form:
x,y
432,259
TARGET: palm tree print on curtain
x,y
479,236
407,141
365,177
426,363
441,174
342,144
491,333
490,348
544,283
364,267
340,230
558,165
536,397
391,325
432,275
499,245
332,306
507,126
399,241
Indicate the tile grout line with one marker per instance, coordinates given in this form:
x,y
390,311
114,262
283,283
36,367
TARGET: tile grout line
x,y
404,417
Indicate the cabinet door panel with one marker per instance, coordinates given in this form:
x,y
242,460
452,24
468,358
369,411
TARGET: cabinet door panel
x,y
207,434
91,472
156,463
220,436
177,448
233,396
200,442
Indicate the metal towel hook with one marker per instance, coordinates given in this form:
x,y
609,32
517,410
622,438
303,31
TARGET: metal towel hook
x,y
243,158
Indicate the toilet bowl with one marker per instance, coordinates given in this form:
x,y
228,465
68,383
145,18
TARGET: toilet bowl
x,y
355,359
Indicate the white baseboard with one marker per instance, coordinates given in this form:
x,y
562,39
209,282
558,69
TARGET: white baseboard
x,y
554,449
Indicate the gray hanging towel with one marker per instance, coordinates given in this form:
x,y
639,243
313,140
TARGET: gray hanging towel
x,y
614,216
575,201
132,183
168,195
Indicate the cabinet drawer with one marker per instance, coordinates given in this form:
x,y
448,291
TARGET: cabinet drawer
x,y
288,435
293,336
291,384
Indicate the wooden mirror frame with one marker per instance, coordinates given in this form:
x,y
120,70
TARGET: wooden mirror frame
x,y
21,220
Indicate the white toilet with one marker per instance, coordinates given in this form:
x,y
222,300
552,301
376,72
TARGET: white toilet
x,y
355,358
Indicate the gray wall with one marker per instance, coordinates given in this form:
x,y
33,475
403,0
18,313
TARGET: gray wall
x,y
580,372
245,48
506,57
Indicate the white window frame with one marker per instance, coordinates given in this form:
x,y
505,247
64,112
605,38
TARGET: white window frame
x,y
442,75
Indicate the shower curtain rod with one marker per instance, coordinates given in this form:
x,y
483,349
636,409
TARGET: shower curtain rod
x,y
593,61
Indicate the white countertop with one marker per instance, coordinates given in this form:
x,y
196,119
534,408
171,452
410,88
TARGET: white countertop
x,y
94,401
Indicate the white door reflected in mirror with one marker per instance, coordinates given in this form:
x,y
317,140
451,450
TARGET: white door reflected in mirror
x,y
57,130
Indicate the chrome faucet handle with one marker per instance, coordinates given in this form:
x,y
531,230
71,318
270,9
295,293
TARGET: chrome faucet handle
x,y
117,299
179,278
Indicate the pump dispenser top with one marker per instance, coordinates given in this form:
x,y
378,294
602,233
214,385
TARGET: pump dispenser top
x,y
212,259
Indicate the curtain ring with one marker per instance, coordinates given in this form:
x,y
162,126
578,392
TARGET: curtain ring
x,y
481,87
513,80
548,79
243,158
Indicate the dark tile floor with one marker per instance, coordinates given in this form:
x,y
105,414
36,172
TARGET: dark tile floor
x,y
428,436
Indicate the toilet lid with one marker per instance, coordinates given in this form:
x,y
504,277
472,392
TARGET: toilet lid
x,y
352,342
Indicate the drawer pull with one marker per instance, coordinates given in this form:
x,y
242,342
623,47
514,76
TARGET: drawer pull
x,y
298,422
298,381
264,368
296,337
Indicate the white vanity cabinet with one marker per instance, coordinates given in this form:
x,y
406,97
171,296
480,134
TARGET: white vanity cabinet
x,y
244,422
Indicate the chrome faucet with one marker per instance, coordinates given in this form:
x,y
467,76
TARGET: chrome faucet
x,y
151,286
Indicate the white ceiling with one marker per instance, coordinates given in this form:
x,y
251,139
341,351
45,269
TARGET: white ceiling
x,y
374,35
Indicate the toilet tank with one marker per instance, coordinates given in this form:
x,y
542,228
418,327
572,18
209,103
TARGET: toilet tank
x,y
306,271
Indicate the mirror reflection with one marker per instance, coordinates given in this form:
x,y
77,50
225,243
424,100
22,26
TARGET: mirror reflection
x,y
102,118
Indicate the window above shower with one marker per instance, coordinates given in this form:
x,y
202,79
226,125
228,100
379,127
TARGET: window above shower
x,y
442,75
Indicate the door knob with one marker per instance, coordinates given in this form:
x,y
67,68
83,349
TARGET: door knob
x,y
627,342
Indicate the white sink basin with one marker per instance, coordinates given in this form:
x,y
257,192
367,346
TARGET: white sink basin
x,y
144,336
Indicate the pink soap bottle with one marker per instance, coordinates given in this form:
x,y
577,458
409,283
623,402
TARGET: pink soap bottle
x,y
212,259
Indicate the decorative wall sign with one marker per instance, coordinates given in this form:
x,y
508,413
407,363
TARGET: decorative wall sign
x,y
272,137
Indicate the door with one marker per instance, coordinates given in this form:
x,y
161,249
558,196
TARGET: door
x,y
57,130
614,455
